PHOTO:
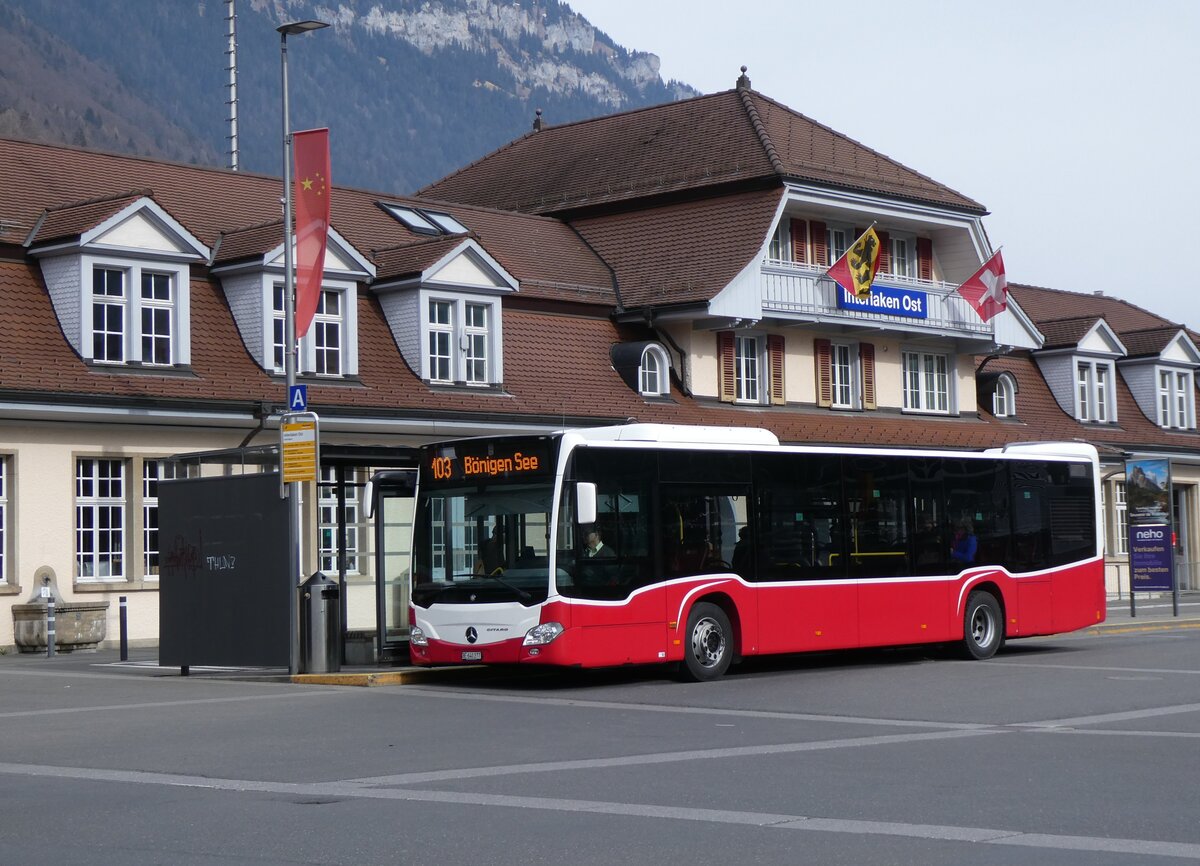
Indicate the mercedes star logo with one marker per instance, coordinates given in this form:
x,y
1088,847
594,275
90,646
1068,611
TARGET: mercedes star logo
x,y
472,635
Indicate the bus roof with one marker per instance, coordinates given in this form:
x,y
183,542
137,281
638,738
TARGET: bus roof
x,y
679,433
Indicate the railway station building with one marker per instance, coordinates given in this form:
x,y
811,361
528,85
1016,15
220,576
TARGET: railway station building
x,y
660,265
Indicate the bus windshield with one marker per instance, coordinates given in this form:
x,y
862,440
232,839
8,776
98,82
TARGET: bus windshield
x,y
482,529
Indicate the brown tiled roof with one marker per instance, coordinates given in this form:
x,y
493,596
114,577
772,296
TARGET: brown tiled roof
x,y
251,242
1045,420
413,258
685,252
1066,332
1043,305
1149,341
734,137
538,251
72,220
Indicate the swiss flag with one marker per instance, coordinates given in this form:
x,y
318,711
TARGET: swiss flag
x,y
987,289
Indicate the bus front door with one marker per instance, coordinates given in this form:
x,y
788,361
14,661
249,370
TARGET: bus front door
x,y
391,497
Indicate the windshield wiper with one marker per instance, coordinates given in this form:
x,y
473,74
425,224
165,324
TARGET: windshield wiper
x,y
521,594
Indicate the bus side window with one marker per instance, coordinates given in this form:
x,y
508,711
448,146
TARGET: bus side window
x,y
799,517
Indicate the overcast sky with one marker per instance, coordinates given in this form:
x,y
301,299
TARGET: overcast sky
x,y
1075,123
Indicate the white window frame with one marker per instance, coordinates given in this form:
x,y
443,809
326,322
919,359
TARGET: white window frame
x,y
843,375
439,357
1120,543
476,343
469,343
1176,400
134,305
931,391
780,248
5,516
358,536
1095,396
906,244
1004,397
838,239
327,332
749,362
654,372
312,347
101,518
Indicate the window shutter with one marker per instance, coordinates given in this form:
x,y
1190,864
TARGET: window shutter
x,y
823,354
925,258
799,241
885,253
820,244
726,367
866,357
775,356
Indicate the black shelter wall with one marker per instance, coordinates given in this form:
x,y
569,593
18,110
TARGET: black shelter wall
x,y
223,587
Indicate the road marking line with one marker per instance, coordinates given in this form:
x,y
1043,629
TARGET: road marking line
x,y
661,758
640,811
101,708
1102,718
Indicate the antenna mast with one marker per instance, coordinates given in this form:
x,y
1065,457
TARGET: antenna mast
x,y
231,68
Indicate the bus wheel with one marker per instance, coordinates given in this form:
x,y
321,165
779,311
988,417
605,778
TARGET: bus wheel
x,y
983,626
709,643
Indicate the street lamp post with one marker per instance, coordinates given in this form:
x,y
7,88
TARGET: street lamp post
x,y
289,343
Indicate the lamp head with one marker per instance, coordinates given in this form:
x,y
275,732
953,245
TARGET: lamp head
x,y
295,27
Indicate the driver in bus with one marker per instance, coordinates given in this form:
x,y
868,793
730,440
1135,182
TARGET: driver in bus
x,y
491,552
595,546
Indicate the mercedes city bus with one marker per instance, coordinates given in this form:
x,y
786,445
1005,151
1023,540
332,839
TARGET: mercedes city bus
x,y
700,546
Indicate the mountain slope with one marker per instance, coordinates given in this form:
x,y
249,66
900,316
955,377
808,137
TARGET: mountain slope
x,y
410,89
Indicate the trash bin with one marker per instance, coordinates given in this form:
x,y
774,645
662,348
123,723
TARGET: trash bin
x,y
320,625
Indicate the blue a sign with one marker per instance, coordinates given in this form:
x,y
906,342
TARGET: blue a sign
x,y
887,300
297,398
1150,558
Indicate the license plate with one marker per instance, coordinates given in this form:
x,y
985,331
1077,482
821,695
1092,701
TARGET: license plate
x,y
472,656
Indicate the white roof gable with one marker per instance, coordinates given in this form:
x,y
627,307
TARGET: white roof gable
x,y
144,226
1181,350
1101,339
468,265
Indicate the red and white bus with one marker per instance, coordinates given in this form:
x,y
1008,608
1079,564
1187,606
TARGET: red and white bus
x,y
720,544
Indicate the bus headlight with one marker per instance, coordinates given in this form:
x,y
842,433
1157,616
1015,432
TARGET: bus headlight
x,y
416,637
540,635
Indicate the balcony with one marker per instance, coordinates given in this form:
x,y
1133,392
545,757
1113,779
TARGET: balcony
x,y
803,292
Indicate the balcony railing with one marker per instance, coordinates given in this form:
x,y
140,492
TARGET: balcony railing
x,y
805,291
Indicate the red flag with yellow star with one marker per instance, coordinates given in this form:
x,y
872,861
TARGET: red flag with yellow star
x,y
311,148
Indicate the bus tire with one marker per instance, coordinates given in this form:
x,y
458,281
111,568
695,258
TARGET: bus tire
x,y
983,626
708,646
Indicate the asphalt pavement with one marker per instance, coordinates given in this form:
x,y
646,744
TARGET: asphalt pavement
x,y
1147,613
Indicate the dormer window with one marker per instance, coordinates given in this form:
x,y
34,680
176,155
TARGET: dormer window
x,y
1004,398
459,341
120,287
330,346
653,372
128,326
442,302
1176,404
1094,392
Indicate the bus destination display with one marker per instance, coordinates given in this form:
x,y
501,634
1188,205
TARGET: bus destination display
x,y
484,462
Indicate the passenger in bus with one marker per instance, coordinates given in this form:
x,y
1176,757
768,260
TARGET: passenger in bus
x,y
595,546
491,552
929,543
965,544
743,557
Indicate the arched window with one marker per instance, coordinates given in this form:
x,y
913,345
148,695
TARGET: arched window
x,y
1004,398
653,380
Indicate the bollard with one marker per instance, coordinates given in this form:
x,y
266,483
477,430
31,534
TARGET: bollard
x,y
124,631
50,629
